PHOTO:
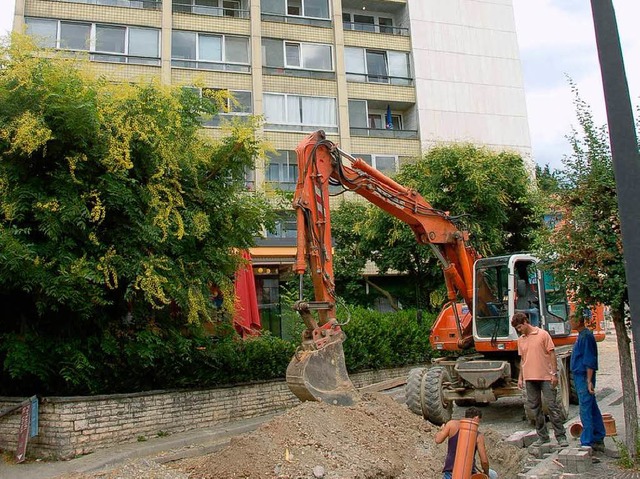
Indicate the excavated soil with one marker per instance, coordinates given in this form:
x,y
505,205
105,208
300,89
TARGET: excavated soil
x,y
377,438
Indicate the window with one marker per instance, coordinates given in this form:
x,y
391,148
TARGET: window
x,y
285,226
295,55
358,114
75,36
282,170
377,66
299,113
238,104
111,43
45,32
367,23
297,8
209,52
378,121
361,117
384,163
110,39
250,178
364,23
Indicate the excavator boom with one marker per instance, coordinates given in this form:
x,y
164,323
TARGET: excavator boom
x,y
318,371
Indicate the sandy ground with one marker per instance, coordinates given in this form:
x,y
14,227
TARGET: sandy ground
x,y
376,438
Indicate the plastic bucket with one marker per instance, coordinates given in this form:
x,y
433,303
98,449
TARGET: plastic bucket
x,y
575,429
609,424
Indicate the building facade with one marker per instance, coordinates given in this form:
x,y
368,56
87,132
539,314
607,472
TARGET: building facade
x,y
385,79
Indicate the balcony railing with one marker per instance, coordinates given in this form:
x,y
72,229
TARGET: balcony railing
x,y
296,72
385,79
220,118
210,11
143,4
368,27
384,133
130,59
219,66
299,127
316,22
281,185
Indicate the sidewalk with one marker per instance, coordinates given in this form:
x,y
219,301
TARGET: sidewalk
x,y
161,449
548,469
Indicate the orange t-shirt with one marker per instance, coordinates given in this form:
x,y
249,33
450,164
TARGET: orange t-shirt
x,y
535,359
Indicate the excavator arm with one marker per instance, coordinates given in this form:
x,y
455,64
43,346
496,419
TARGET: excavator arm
x,y
317,371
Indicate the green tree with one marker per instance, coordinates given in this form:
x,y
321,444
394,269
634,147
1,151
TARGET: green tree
x,y
116,211
549,181
488,193
585,249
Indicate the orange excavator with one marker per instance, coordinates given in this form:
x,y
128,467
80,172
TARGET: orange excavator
x,y
483,294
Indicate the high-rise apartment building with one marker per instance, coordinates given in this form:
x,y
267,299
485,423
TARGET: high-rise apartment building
x,y
384,78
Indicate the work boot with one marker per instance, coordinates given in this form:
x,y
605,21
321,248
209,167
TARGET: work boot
x,y
598,446
562,441
539,442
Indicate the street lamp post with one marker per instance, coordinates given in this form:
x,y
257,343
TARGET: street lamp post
x,y
626,160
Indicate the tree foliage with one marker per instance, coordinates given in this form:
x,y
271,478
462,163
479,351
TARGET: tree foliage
x,y
116,212
488,193
585,248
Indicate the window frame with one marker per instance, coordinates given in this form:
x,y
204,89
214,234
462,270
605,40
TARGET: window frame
x,y
374,157
302,125
224,62
352,24
91,47
287,170
389,78
302,54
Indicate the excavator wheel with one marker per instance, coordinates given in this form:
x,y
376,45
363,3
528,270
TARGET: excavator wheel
x,y
412,390
434,407
564,389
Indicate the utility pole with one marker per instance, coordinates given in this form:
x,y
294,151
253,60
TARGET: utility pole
x,y
626,160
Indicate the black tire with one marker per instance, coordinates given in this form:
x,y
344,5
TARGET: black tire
x,y
435,408
412,390
564,390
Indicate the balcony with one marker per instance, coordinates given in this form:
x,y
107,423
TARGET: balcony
x,y
372,28
140,4
384,133
215,66
296,20
379,79
300,73
182,7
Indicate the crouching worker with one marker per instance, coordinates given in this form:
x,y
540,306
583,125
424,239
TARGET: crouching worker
x,y
450,431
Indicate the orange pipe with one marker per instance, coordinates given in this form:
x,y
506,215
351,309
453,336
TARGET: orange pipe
x,y
466,450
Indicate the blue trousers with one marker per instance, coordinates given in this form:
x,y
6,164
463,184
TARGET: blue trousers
x,y
592,425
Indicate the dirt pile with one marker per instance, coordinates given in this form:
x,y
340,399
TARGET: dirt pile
x,y
377,438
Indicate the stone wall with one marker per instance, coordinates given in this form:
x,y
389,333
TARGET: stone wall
x,y
69,426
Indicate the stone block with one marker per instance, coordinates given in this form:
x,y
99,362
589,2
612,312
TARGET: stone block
x,y
517,438
530,438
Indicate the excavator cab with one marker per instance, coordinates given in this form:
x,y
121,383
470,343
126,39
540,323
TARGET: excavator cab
x,y
507,285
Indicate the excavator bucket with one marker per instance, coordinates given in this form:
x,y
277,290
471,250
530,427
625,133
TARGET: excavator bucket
x,y
321,375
